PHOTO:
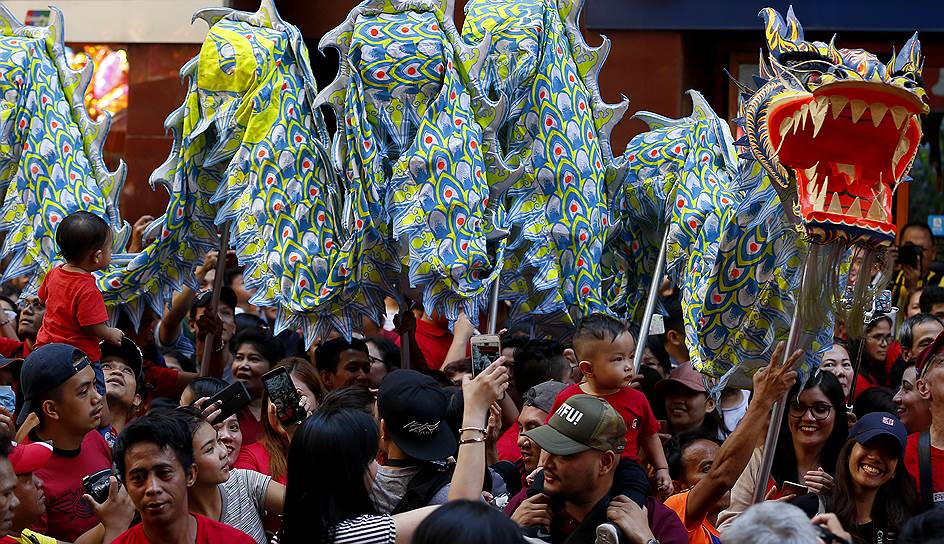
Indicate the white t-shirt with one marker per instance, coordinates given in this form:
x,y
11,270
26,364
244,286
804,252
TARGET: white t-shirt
x,y
243,504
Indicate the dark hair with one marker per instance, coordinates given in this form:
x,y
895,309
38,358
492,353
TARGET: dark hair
x,y
205,297
874,399
191,416
316,500
895,502
538,361
186,363
164,430
231,274
925,528
247,321
676,446
918,224
353,397
596,326
268,347
328,354
6,446
80,234
857,352
455,368
785,462
276,444
467,522
673,320
906,333
206,386
389,352
930,296
656,344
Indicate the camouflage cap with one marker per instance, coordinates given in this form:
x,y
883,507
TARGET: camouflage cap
x,y
581,423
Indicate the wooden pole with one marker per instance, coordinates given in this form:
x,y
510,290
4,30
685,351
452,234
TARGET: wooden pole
x,y
215,298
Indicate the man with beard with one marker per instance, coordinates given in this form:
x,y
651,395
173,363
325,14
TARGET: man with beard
x,y
708,492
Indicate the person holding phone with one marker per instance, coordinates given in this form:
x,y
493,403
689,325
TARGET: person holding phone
x,y
236,497
254,353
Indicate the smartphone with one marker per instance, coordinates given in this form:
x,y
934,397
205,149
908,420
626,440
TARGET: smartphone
x,y
282,393
791,488
232,399
486,348
8,398
97,484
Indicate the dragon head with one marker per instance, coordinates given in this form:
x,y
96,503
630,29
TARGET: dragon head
x,y
836,129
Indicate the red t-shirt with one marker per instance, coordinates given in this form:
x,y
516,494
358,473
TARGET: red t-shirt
x,y
67,514
937,467
208,532
255,457
14,349
507,445
72,301
629,403
433,343
163,380
249,426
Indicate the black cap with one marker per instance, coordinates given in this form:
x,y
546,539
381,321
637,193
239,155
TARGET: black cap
x,y
227,297
46,368
413,407
128,351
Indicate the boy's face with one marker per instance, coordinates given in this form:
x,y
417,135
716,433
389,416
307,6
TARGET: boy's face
x,y
81,407
611,362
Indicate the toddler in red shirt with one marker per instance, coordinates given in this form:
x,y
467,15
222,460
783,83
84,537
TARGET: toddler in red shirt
x,y
605,347
75,309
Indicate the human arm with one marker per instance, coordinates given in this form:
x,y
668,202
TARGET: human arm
x,y
275,497
106,333
209,324
136,243
180,304
462,333
652,447
770,384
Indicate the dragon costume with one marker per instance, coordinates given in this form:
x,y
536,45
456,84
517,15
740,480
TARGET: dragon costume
x,y
827,136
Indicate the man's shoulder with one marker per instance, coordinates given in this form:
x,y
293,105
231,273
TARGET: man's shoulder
x,y
134,535
212,531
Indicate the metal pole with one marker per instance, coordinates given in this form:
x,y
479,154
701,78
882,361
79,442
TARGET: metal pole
x,y
215,298
657,275
493,307
773,429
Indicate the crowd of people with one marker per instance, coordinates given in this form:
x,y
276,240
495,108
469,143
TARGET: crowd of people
x,y
113,434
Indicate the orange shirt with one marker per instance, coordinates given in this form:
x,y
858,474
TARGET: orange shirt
x,y
701,534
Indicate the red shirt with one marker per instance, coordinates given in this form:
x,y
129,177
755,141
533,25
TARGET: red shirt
x,y
937,467
255,457
13,349
72,301
249,426
507,445
67,514
433,343
208,532
629,403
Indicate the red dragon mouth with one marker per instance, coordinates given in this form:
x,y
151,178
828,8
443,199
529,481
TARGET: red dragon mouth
x,y
848,144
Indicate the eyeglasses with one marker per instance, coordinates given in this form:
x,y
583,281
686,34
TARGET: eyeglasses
x,y
34,304
880,338
819,411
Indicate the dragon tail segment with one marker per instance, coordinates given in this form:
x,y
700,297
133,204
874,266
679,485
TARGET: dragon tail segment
x,y
50,151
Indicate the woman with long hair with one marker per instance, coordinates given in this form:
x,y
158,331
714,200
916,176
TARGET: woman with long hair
x,y
468,522
814,428
236,497
874,494
332,463
269,454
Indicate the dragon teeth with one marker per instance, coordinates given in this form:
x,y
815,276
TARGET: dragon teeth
x,y
878,113
899,114
856,209
858,108
818,197
838,103
785,126
834,206
900,151
811,171
877,210
818,109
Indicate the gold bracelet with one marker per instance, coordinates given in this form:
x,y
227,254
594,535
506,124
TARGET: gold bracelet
x,y
472,440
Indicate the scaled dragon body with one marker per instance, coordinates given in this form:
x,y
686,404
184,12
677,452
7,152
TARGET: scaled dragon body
x,y
827,136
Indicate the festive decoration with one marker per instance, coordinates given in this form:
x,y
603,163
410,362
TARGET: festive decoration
x,y
828,135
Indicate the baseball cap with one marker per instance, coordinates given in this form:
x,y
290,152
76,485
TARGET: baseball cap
x,y
227,297
128,351
542,395
936,347
47,367
878,424
686,375
413,407
12,364
31,457
581,423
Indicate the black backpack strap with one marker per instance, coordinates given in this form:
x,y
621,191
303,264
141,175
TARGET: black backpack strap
x,y
924,470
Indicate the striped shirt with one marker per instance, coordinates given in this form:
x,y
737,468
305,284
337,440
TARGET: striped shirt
x,y
366,530
243,504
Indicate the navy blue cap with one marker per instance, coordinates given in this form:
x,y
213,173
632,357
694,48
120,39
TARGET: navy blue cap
x,y
877,424
413,407
47,367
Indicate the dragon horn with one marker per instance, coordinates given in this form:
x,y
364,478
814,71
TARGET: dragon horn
x,y
57,26
268,9
781,36
8,20
210,15
909,59
796,30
